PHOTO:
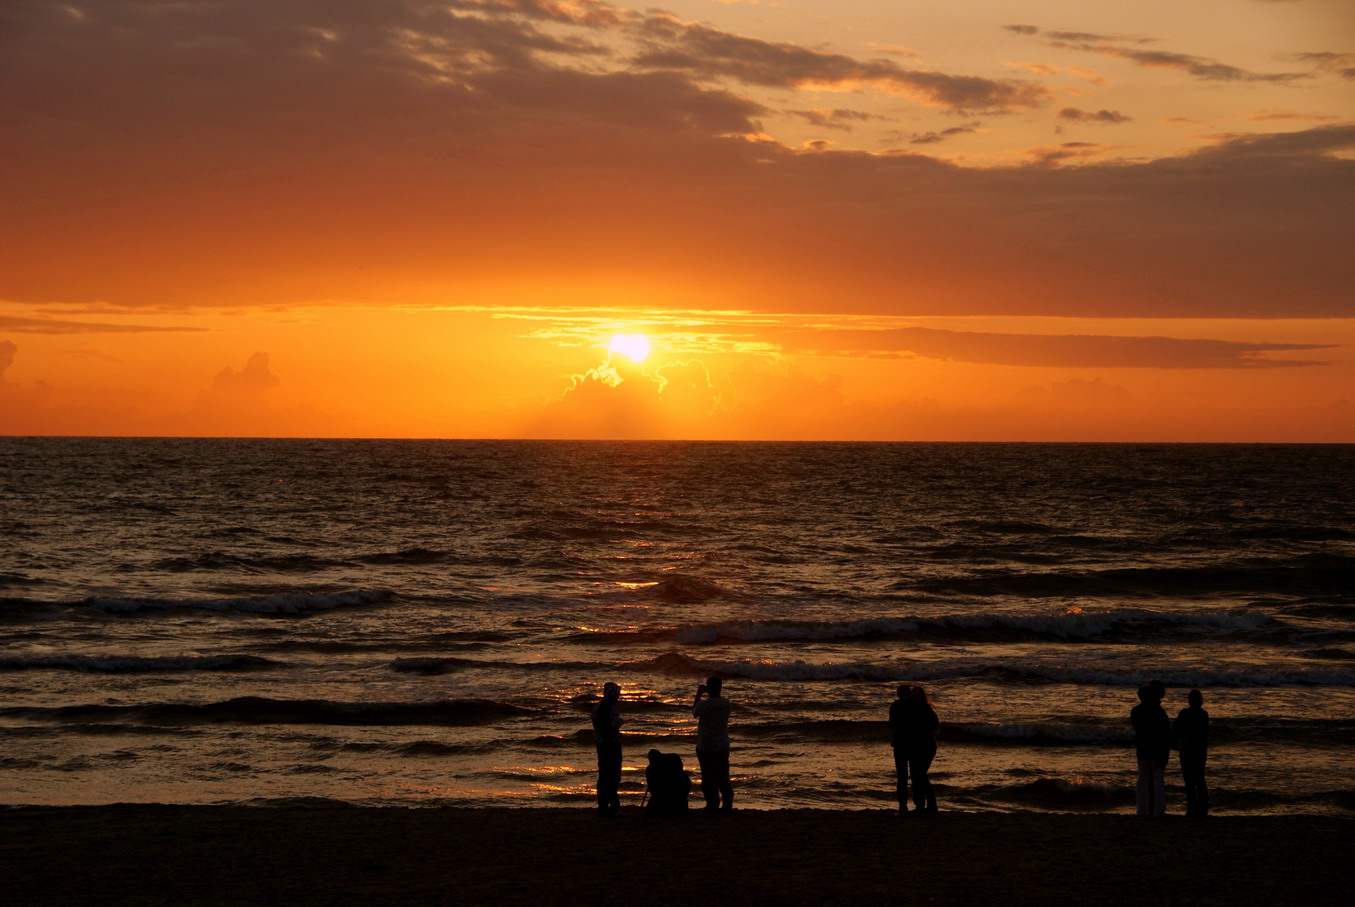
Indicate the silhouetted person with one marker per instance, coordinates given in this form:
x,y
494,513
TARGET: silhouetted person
x,y
902,716
921,747
607,732
1192,743
1152,748
712,745
667,783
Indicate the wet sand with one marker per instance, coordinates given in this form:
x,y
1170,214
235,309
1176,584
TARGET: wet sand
x,y
332,855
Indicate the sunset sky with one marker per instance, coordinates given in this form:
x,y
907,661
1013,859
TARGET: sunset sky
x,y
1129,220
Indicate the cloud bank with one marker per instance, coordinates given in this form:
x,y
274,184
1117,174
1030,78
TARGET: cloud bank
x,y
204,154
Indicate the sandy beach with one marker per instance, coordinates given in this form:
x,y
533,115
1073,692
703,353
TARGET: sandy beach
x,y
325,854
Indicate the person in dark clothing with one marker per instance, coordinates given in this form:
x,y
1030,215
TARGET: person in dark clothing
x,y
1191,729
607,733
913,724
1152,748
922,750
902,713
667,784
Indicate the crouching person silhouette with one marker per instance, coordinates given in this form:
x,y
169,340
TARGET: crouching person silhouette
x,y
667,784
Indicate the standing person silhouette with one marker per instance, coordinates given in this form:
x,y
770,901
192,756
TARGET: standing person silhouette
x,y
922,749
902,717
1192,742
607,733
1152,748
712,745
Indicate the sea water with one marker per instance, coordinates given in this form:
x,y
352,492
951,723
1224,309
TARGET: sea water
x,y
429,622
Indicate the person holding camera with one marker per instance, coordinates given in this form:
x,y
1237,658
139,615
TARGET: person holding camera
x,y
712,745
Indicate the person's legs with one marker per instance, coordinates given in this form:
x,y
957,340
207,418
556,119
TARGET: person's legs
x,y
1143,789
901,777
923,796
609,778
1202,790
710,785
722,782
1159,787
1197,792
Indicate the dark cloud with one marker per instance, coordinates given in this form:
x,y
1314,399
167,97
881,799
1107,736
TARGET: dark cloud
x,y
236,155
931,138
1083,37
837,118
1066,151
1115,46
254,378
1075,115
1341,64
708,53
1199,67
1305,143
1051,351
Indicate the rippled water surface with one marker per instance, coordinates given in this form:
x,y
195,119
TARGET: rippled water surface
x,y
419,622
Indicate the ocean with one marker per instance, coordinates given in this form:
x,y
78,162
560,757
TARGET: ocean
x,y
423,623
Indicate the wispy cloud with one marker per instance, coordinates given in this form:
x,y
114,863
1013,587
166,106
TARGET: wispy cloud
x,y
931,138
1131,47
1050,350
22,325
709,53
1341,64
1104,117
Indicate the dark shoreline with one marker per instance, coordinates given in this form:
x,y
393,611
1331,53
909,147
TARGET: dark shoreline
x,y
126,854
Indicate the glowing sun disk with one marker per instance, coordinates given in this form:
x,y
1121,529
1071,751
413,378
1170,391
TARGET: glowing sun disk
x,y
634,347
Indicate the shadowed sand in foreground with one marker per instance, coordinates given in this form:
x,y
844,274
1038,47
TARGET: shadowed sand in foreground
x,y
327,854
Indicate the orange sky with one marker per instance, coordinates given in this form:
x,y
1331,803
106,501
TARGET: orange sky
x,y
863,219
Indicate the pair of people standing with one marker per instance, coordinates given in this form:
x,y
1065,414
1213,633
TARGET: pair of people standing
x,y
711,711
914,723
1153,733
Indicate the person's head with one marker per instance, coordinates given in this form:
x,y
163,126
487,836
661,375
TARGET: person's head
x,y
1159,689
610,691
1145,694
919,694
1195,698
905,691
654,756
714,685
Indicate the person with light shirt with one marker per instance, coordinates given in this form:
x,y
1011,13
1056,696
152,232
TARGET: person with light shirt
x,y
712,745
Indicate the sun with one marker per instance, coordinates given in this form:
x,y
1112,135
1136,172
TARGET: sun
x,y
634,347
